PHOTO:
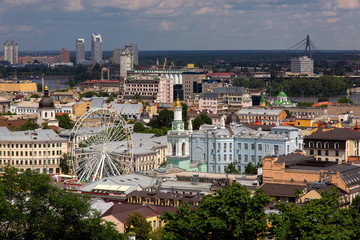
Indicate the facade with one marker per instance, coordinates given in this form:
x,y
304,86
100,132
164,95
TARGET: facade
x,y
307,112
282,174
188,80
80,50
126,62
96,48
134,51
335,145
8,86
225,100
11,50
38,150
213,148
302,64
265,116
152,88
47,110
64,55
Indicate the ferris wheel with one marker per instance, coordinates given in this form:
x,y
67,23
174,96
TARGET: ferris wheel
x,y
100,144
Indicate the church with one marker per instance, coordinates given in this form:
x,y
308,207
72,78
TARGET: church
x,y
47,110
214,147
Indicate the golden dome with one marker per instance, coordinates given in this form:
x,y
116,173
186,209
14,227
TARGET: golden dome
x,y
177,102
46,88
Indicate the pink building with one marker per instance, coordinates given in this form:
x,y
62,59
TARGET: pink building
x,y
151,88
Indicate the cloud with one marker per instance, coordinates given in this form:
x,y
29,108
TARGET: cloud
x,y
333,20
16,28
126,4
166,25
347,4
328,14
73,5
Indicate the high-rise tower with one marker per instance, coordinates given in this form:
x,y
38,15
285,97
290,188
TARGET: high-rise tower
x,y
80,50
11,52
134,51
96,48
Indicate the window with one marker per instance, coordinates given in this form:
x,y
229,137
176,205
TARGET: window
x,y
311,144
230,157
245,158
336,145
276,149
183,149
225,147
219,146
239,157
326,145
319,152
326,152
239,146
259,147
230,147
318,145
311,151
225,157
252,146
173,145
337,153
259,159
253,158
245,146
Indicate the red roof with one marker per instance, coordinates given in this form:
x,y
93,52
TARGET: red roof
x,y
100,81
322,103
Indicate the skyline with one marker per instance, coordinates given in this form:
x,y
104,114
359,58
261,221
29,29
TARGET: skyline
x,y
182,24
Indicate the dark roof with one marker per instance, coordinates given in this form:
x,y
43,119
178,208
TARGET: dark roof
x,y
122,211
327,187
232,118
294,158
275,189
340,134
46,101
256,127
162,195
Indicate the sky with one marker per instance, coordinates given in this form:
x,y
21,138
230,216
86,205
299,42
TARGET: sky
x,y
181,24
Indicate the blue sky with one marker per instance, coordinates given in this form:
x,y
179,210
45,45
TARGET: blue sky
x,y
181,24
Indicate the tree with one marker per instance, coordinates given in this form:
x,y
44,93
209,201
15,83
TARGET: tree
x,y
323,99
72,82
163,119
65,121
29,125
32,208
231,168
200,120
141,227
35,96
230,213
139,127
64,164
39,87
317,219
185,116
345,100
250,169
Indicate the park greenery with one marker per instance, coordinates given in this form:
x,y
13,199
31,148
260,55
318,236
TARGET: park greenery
x,y
200,120
65,121
32,208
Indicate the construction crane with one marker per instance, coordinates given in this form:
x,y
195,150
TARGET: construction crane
x,y
171,65
113,59
164,64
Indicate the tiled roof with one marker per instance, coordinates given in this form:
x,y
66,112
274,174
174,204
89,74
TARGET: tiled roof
x,y
286,190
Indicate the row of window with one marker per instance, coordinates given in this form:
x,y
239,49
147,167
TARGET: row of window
x,y
326,152
29,162
39,145
326,145
246,146
44,170
30,153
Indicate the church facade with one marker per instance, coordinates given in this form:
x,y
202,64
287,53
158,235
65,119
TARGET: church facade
x,y
214,147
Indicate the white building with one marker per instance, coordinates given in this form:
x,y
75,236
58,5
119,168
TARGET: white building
x,y
96,48
80,50
302,64
134,51
11,52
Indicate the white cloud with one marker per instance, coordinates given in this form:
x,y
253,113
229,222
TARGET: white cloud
x,y
73,5
126,4
328,14
333,20
347,4
166,25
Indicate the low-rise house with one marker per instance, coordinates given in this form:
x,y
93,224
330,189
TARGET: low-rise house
x,y
265,116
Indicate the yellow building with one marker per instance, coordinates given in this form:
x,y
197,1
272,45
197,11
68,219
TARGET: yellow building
x,y
81,108
18,86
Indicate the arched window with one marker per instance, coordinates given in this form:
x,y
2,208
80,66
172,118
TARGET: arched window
x,y
311,144
173,146
336,145
318,145
326,145
45,114
183,149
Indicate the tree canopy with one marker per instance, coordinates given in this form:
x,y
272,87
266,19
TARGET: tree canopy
x,y
231,213
200,120
137,223
163,119
32,208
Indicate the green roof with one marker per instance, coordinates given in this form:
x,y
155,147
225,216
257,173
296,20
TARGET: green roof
x,y
262,99
282,94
